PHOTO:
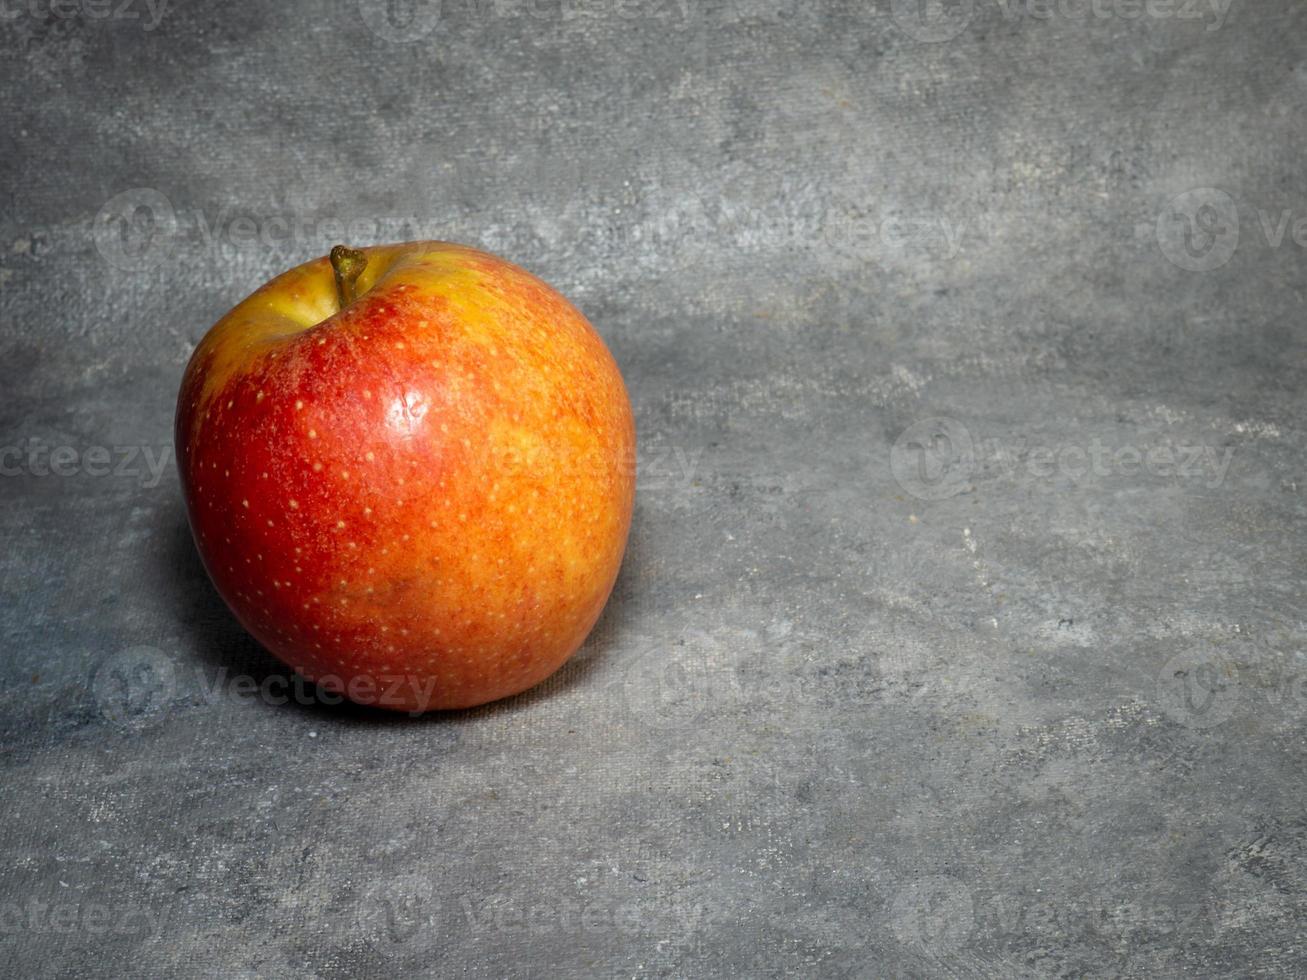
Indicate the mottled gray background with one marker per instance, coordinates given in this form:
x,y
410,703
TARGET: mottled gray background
x,y
961,632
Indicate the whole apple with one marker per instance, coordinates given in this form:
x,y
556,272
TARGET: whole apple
x,y
409,471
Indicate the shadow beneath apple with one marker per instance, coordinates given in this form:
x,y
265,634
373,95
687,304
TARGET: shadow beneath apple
x,y
223,651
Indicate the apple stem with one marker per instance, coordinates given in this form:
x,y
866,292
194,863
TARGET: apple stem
x,y
348,264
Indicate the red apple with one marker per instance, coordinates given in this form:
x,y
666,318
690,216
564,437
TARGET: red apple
x,y
409,471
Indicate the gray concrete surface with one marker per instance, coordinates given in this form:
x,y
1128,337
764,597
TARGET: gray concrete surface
x,y
962,628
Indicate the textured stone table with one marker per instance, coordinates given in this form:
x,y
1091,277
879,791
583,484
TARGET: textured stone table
x,y
961,632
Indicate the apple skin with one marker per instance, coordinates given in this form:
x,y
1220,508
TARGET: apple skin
x,y
419,501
